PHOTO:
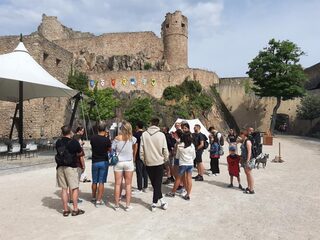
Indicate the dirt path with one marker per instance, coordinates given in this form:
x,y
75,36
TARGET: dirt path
x,y
286,205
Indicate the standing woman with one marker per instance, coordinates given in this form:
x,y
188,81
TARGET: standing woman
x,y
125,146
214,154
246,160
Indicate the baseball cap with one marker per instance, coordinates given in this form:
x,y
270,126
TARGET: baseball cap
x,y
232,148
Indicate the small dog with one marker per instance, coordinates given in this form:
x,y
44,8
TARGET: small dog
x,y
262,158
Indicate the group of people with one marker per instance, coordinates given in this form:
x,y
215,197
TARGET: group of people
x,y
150,153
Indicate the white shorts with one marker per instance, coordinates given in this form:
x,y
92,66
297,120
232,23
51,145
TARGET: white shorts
x,y
124,166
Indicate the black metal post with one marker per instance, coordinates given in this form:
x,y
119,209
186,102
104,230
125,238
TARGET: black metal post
x,y
13,121
20,133
77,98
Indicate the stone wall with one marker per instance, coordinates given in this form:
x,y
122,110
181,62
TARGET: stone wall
x,y
52,29
42,117
113,44
153,82
250,110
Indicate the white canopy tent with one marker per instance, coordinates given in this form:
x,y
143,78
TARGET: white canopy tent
x,y
22,78
191,122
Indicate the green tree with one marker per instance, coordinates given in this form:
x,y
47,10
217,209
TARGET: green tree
x,y
78,80
309,108
276,72
106,104
140,109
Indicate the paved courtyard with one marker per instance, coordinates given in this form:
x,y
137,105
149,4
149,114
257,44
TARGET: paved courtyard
x,y
286,204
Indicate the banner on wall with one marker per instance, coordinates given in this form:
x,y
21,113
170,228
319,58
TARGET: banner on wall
x,y
113,82
124,81
133,81
144,81
92,83
153,82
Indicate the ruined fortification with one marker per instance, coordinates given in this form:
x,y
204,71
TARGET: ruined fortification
x,y
129,62
126,62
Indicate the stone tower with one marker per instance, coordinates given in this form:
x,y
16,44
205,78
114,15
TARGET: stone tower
x,y
174,32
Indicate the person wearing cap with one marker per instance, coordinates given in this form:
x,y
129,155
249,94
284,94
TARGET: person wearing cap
x,y
233,160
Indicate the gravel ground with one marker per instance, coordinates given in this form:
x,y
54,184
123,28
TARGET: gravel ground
x,y
285,206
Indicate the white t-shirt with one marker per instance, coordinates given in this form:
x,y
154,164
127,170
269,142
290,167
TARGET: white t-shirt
x,y
186,155
126,154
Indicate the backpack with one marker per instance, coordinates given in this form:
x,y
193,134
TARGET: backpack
x,y
221,140
63,156
206,143
255,139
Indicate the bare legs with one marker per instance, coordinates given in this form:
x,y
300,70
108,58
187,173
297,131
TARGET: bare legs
x,y
65,198
117,188
200,168
249,178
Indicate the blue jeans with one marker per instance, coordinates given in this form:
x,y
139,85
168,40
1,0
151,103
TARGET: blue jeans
x,y
185,169
99,172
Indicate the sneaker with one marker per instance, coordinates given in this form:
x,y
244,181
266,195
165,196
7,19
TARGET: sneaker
x,y
153,207
172,179
128,208
209,174
134,192
230,185
100,203
116,207
170,194
186,197
181,191
169,180
93,200
200,178
164,206
79,201
196,177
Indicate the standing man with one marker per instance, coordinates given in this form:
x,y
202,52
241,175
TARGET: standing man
x,y
67,172
142,175
169,165
199,139
154,153
100,145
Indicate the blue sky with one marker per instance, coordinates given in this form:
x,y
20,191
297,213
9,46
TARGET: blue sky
x,y
224,35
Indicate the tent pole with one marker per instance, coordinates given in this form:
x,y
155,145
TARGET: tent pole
x,y
13,121
20,133
77,99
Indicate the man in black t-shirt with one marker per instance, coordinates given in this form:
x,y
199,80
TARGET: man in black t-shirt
x,y
67,174
141,171
199,139
100,146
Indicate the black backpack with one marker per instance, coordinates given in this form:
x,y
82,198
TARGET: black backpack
x,y
63,156
255,139
206,143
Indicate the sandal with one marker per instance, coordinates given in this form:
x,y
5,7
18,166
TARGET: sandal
x,y
248,191
170,194
66,213
76,213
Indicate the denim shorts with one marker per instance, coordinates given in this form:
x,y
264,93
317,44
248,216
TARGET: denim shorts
x,y
185,169
100,172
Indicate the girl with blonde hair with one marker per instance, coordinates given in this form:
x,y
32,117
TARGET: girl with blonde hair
x,y
125,145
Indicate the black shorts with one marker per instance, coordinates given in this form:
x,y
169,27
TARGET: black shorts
x,y
198,158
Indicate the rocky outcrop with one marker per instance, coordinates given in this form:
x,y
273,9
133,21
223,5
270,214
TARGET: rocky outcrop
x,y
86,61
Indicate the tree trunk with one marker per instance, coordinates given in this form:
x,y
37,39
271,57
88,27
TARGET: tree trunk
x,y
274,115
